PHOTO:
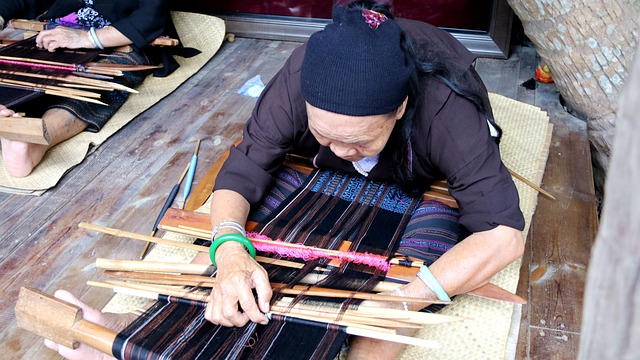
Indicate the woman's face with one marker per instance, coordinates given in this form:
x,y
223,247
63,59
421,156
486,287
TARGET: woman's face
x,y
352,137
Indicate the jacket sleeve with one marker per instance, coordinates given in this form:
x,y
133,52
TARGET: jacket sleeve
x,y
145,23
462,148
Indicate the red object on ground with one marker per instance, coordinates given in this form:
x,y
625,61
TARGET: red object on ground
x,y
543,74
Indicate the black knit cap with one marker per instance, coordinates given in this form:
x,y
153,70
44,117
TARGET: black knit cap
x,y
356,69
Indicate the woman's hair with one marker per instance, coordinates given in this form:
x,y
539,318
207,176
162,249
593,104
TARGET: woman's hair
x,y
430,65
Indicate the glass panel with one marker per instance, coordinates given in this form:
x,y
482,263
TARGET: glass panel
x,y
460,14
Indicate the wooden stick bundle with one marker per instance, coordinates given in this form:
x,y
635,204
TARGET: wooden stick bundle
x,y
208,269
72,79
109,71
378,319
488,291
62,92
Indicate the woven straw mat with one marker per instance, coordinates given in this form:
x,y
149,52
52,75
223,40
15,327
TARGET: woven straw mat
x,y
70,153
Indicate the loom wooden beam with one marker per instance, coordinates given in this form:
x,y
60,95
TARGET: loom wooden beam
x,y
31,130
60,321
24,24
202,191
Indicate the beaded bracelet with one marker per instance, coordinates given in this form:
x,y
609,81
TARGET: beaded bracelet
x,y
228,224
432,283
230,237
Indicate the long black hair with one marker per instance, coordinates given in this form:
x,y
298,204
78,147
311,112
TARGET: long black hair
x,y
430,65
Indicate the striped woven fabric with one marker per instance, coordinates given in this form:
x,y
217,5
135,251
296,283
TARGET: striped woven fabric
x,y
433,230
327,209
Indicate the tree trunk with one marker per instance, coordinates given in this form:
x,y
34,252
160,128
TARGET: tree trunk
x,y
611,317
588,44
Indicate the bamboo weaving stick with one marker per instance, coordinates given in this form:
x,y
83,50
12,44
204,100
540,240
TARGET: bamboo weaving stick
x,y
531,184
208,282
61,93
84,93
101,84
204,269
20,61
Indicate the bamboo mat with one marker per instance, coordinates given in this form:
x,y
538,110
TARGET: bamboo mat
x,y
493,326
202,32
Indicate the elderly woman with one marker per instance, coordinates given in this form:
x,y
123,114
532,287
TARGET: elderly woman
x,y
88,24
393,100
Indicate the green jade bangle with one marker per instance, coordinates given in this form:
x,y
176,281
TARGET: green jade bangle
x,y
230,237
427,276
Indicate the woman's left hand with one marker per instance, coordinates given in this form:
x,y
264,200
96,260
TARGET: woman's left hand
x,y
63,37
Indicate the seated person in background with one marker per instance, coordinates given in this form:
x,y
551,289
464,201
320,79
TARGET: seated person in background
x,y
114,24
392,100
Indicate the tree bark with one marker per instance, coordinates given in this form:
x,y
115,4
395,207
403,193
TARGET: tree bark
x,y
611,316
588,45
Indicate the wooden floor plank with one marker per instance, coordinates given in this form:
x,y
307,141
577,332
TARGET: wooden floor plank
x,y
528,65
503,78
564,232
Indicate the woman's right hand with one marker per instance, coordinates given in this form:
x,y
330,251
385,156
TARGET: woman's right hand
x,y
232,301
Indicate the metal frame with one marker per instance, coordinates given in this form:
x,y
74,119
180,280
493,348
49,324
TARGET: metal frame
x,y
492,43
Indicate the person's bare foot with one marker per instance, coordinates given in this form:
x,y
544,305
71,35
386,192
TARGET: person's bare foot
x,y
20,158
115,322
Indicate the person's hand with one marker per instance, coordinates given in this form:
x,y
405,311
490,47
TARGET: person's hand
x,y
115,322
6,112
63,37
232,301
